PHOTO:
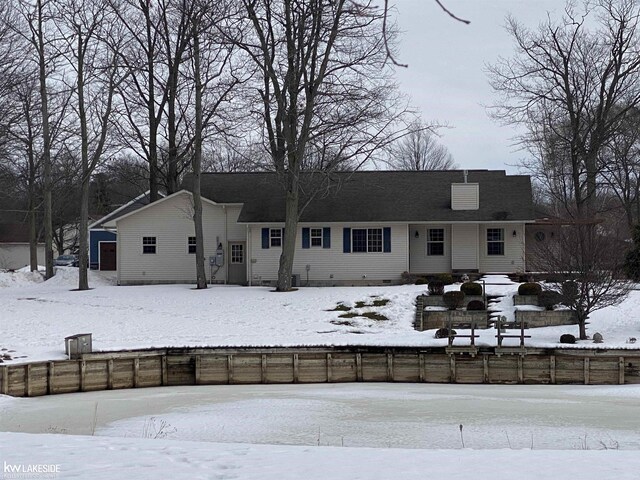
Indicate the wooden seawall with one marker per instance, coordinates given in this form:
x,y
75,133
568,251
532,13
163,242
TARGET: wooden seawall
x,y
211,366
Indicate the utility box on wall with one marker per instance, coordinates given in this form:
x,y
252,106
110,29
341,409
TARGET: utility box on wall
x,y
76,345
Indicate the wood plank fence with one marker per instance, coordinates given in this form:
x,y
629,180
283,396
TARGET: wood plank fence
x,y
211,366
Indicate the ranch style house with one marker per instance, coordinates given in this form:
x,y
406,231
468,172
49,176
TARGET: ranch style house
x,y
358,228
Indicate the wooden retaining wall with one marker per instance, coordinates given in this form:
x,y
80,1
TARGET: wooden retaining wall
x,y
153,368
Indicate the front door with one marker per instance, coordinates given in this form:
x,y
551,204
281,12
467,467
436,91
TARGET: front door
x,y
237,269
107,255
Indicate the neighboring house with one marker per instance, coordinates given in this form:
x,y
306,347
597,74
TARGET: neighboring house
x,y
102,240
14,246
363,228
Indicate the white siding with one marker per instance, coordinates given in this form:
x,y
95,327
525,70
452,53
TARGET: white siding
x,y
331,264
170,221
16,255
513,258
465,196
464,246
419,261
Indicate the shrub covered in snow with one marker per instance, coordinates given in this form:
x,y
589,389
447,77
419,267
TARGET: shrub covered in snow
x,y
470,288
529,288
453,299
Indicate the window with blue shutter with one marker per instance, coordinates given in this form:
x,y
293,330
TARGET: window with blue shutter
x,y
346,240
326,237
367,240
306,242
386,239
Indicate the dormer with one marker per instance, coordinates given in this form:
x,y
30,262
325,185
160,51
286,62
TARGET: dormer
x,y
465,196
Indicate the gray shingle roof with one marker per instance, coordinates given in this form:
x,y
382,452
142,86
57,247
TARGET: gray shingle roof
x,y
138,202
375,196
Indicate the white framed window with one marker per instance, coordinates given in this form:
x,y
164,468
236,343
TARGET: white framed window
x,y
495,241
149,245
237,253
316,237
191,245
275,237
435,242
366,240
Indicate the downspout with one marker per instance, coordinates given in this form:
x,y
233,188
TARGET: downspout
x,y
226,245
249,256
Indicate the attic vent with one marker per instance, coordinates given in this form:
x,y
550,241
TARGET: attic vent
x,y
465,196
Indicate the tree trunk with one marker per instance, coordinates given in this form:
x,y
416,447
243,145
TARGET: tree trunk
x,y
172,156
83,274
201,277
289,241
33,233
46,154
153,122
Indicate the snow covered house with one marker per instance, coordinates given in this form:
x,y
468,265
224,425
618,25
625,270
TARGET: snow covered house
x,y
366,227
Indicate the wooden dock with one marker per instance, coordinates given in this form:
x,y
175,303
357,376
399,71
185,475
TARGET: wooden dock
x,y
211,366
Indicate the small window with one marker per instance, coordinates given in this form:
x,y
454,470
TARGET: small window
x,y
366,240
495,241
435,242
275,237
191,245
149,245
237,253
316,237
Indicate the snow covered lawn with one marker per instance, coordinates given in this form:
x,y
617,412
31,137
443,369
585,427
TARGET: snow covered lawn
x,y
35,316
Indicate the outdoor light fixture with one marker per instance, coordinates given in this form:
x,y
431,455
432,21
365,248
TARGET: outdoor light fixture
x,y
515,234
417,234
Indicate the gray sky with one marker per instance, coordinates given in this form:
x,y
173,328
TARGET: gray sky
x,y
446,78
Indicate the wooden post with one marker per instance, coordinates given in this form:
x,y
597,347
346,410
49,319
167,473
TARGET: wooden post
x,y
83,371
4,388
520,370
110,374
452,368
423,373
263,369
485,368
586,370
296,368
27,380
359,376
197,365
136,372
329,373
50,376
552,368
621,370
229,369
390,375
164,370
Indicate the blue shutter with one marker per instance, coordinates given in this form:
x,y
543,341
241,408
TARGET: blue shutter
x,y
265,238
346,240
306,242
326,237
386,239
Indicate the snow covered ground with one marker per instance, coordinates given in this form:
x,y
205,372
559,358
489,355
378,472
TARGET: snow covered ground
x,y
35,316
315,431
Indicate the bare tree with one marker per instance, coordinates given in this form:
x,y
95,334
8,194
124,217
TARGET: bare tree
x,y
34,20
323,86
587,263
573,86
420,150
91,41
